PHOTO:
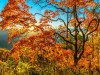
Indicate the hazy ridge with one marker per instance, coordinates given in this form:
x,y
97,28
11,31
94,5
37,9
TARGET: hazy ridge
x,y
4,40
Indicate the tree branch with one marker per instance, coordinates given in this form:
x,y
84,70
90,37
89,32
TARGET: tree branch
x,y
89,25
94,29
64,38
63,10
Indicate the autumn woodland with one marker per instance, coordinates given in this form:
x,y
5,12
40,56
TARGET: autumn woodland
x,y
69,48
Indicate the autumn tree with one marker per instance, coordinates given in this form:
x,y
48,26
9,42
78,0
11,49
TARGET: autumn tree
x,y
85,24
79,17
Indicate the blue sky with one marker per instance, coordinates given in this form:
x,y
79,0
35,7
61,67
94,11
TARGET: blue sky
x,y
2,5
37,9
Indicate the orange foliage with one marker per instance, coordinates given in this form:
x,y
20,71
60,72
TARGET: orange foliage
x,y
16,12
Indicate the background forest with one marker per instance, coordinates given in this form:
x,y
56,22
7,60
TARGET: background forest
x,y
50,37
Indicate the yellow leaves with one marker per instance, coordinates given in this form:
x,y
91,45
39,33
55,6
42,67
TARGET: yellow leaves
x,y
4,54
22,67
3,67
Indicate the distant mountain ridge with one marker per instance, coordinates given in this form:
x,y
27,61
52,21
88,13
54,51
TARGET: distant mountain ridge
x,y
4,40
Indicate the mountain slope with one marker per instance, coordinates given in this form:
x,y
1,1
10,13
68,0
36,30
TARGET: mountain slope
x,y
3,40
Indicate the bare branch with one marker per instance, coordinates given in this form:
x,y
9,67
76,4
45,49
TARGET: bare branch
x,y
43,6
89,25
81,30
63,10
64,38
39,14
59,19
94,29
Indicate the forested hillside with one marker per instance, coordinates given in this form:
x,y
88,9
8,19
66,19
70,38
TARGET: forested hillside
x,y
50,37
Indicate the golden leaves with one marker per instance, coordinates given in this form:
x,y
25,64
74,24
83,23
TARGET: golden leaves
x,y
4,54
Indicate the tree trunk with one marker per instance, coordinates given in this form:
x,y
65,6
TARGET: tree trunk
x,y
75,27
